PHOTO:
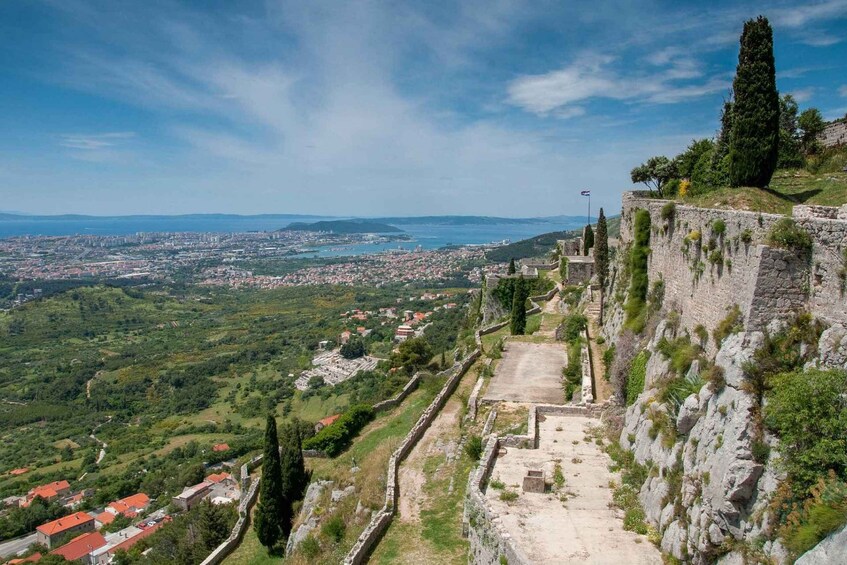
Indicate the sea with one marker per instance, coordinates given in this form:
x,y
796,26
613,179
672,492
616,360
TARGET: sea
x,y
423,235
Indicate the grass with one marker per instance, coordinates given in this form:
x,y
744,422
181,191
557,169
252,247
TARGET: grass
x,y
787,188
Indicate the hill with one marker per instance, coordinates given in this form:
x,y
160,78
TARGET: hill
x,y
344,226
541,245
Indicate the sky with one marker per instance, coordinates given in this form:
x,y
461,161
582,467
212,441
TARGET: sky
x,y
484,107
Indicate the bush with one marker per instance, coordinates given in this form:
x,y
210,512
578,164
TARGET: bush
x,y
806,410
334,528
638,278
574,325
668,211
354,348
637,374
473,448
715,377
786,234
334,438
732,324
309,547
681,352
718,228
508,496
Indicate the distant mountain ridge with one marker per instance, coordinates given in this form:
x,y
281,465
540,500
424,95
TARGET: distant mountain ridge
x,y
344,226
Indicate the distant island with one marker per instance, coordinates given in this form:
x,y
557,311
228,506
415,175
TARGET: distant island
x,y
344,226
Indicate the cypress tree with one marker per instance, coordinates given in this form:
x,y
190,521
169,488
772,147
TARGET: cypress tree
x,y
512,269
601,250
294,476
271,509
518,325
588,235
754,139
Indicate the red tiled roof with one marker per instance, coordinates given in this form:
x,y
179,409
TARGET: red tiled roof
x,y
81,546
218,477
126,505
62,524
105,517
16,472
330,419
220,447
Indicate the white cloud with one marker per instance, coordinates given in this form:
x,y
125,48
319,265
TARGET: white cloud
x,y
799,16
92,142
590,77
802,95
843,90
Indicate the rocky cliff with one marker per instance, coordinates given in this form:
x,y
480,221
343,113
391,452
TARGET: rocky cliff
x,y
696,427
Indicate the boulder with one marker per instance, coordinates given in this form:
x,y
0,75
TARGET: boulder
x,y
735,351
832,347
830,550
689,412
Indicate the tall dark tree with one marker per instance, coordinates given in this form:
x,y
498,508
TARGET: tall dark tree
x,y
294,476
601,250
588,238
754,142
213,524
518,323
271,509
512,269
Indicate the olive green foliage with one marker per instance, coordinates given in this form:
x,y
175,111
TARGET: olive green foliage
x,y
588,241
272,511
563,268
334,438
732,324
518,319
354,348
334,528
754,142
804,524
668,211
786,234
638,266
637,375
473,447
655,173
412,355
688,159
572,294
512,269
601,251
808,411
789,139
811,124
574,325
680,352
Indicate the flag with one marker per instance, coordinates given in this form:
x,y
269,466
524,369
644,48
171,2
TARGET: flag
x,y
585,193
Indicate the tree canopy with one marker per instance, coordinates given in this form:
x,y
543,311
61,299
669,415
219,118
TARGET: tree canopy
x,y
655,173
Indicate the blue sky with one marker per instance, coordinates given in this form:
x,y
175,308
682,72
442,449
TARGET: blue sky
x,y
373,108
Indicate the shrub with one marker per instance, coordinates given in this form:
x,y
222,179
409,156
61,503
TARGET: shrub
x,y
681,352
694,235
309,547
473,448
508,496
638,278
786,234
823,512
684,188
701,333
637,374
574,325
334,438
718,228
668,211
334,528
716,257
497,484
806,410
747,236
732,324
715,377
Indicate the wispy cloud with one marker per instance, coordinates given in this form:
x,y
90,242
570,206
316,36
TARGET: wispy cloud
x,y
802,15
94,142
591,76
843,90
802,95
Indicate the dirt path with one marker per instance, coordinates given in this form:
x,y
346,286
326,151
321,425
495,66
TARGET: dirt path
x,y
602,387
439,438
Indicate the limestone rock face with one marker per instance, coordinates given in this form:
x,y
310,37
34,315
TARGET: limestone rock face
x,y
830,550
309,519
722,485
832,347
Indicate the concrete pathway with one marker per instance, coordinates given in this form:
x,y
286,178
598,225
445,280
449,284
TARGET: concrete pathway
x,y
575,524
529,372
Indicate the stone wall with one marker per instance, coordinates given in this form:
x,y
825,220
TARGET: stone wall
x,y
835,133
376,528
765,282
229,545
391,403
580,269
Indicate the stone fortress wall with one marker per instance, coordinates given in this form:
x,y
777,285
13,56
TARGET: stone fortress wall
x,y
765,282
835,133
